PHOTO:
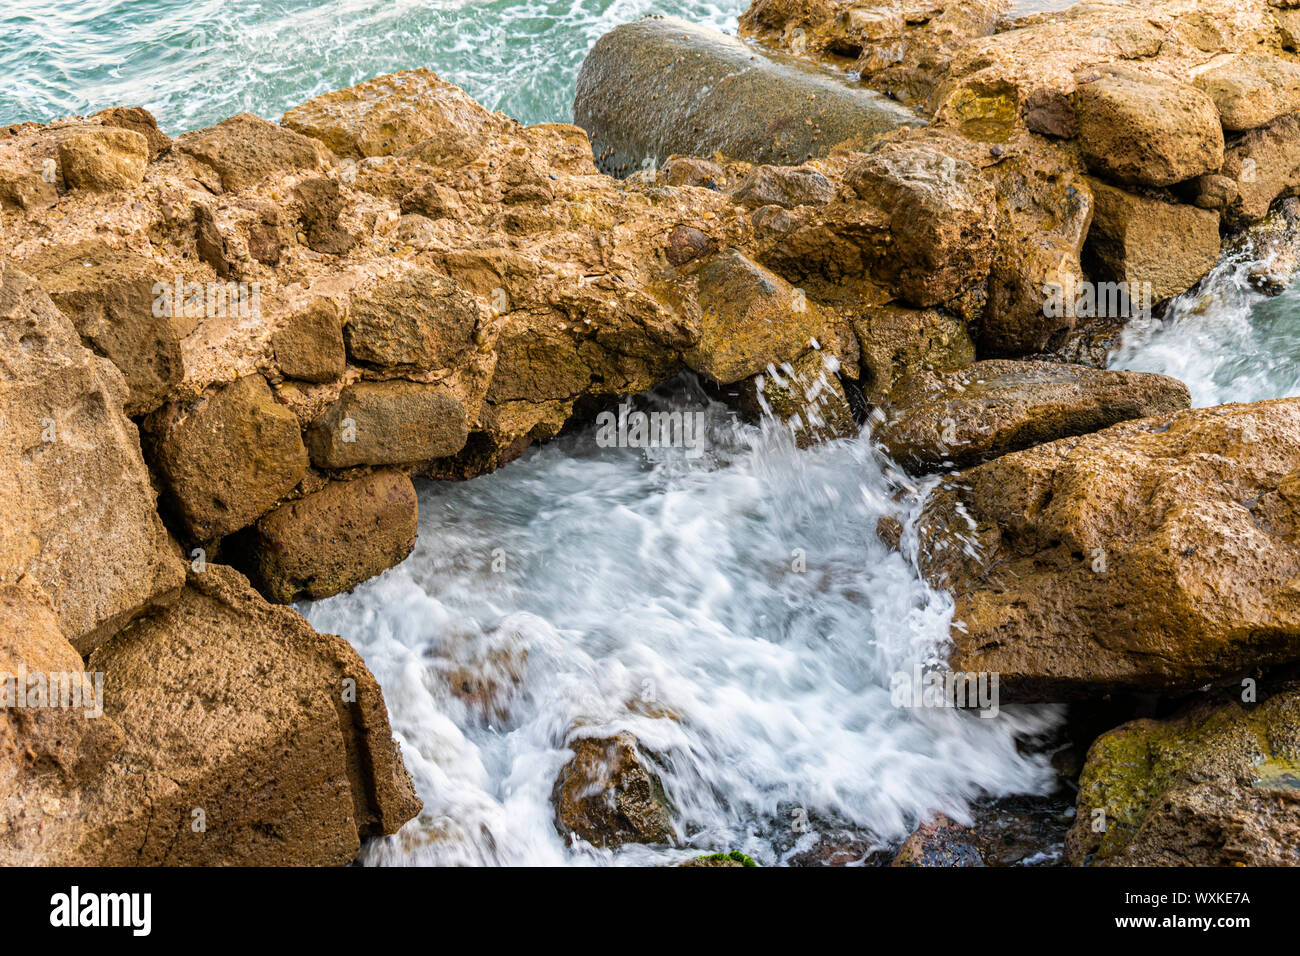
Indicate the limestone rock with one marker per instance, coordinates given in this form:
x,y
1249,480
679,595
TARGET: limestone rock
x,y
245,149
139,120
226,458
1157,554
415,319
333,539
104,159
1250,90
309,345
957,419
939,842
80,513
1258,168
897,341
806,396
388,423
786,186
608,794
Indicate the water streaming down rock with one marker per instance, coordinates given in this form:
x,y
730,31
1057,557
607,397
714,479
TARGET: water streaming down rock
x,y
586,591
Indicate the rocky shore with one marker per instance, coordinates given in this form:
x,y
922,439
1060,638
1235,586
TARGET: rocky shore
x,y
227,355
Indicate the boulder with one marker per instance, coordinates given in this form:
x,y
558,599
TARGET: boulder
x,y
104,159
80,511
108,293
321,203
1215,785
388,423
333,539
309,344
897,341
939,842
246,149
226,458
662,86
1140,128
1155,555
416,318
806,396
25,184
785,186
1257,168
1250,90
1160,247
250,739
608,794
139,120
939,420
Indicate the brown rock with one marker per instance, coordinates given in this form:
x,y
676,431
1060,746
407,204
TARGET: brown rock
x,y
686,243
334,539
785,186
806,396
1138,128
103,557
1155,555
689,171
434,201
309,345
1250,90
1050,113
140,120
417,318
321,205
897,341
109,295
939,842
25,184
228,457
103,160
245,149
388,423
1146,242
935,421
608,795
1258,168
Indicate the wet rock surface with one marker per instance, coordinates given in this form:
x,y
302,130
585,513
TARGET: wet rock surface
x,y
609,795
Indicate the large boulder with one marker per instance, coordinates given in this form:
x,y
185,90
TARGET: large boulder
x,y
333,539
897,341
102,160
250,739
108,292
309,346
608,794
1250,90
938,420
1216,785
226,458
79,508
246,149
1158,554
388,423
414,319
1260,166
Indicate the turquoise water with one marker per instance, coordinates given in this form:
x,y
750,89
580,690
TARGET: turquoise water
x,y
194,62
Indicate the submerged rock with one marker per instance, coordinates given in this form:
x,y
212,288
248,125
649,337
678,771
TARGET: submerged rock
x,y
1217,785
938,420
806,396
1158,554
608,795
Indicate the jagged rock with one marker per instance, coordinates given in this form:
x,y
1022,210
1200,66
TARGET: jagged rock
x,y
25,184
245,149
104,159
1250,90
1157,554
897,341
388,423
689,171
139,120
389,114
237,710
939,842
79,508
108,292
661,87
806,396
608,794
785,186
1146,242
1258,168
309,345
333,539
1139,128
226,458
1217,785
958,419
416,318
321,205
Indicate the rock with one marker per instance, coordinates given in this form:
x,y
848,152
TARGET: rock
x,y
321,205
389,114
103,160
940,213
897,341
1145,243
80,515
212,246
934,421
785,186
750,319
686,243
333,539
940,842
245,149
236,708
1216,785
806,396
24,184
139,120
1158,554
662,86
1274,245
415,319
1137,128
109,294
226,458
309,345
388,423
608,795
434,201
734,858
1258,168
1250,90
688,171
1048,112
